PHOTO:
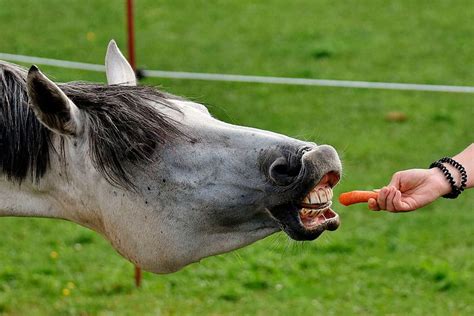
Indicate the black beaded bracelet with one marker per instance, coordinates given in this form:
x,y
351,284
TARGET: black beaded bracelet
x,y
460,168
455,190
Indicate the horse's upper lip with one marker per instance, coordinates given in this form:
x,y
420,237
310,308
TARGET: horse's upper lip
x,y
307,217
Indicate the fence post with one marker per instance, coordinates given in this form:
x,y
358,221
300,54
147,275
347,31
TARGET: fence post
x,y
132,61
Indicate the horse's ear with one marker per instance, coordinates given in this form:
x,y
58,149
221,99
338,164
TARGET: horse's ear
x,y
51,106
117,68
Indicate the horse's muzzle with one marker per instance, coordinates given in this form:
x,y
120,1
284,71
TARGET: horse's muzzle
x,y
306,211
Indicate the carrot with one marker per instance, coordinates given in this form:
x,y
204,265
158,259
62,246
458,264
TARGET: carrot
x,y
353,197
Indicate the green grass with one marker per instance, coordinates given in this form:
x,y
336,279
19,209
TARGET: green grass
x,y
376,263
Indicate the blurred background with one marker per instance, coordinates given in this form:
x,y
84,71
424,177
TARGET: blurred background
x,y
375,263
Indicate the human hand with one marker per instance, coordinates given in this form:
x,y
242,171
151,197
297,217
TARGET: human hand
x,y
410,190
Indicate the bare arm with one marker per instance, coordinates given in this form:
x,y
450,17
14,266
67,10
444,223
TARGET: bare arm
x,y
466,158
411,189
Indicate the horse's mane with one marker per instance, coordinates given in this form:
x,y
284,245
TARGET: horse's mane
x,y
123,127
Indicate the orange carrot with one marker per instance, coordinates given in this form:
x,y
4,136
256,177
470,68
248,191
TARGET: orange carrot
x,y
353,197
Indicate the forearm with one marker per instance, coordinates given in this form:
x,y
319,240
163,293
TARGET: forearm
x,y
466,158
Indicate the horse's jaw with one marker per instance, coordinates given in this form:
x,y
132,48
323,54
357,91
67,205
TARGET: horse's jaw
x,y
164,256
162,241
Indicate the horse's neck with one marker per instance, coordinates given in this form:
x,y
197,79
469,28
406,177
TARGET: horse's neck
x,y
31,200
25,200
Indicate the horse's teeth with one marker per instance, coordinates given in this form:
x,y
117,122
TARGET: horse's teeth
x,y
329,193
304,211
319,196
314,197
322,196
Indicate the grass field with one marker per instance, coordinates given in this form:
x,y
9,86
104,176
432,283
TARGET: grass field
x,y
376,263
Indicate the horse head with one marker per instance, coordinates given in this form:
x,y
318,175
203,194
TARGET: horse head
x,y
165,182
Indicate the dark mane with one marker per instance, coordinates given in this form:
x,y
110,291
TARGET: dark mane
x,y
123,127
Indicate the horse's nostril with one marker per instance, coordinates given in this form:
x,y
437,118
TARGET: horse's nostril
x,y
280,169
282,172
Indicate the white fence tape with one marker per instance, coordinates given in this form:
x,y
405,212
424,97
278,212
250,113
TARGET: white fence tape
x,y
245,78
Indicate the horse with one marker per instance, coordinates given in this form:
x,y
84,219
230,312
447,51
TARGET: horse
x,y
158,176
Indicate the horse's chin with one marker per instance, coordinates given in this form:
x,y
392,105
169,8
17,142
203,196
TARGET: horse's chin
x,y
308,217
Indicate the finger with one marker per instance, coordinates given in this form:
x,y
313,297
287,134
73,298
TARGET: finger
x,y
372,203
390,197
397,202
381,199
399,205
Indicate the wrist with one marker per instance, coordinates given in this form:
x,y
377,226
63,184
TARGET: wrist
x,y
439,182
458,184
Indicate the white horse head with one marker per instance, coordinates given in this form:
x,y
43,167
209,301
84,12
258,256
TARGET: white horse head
x,y
160,178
